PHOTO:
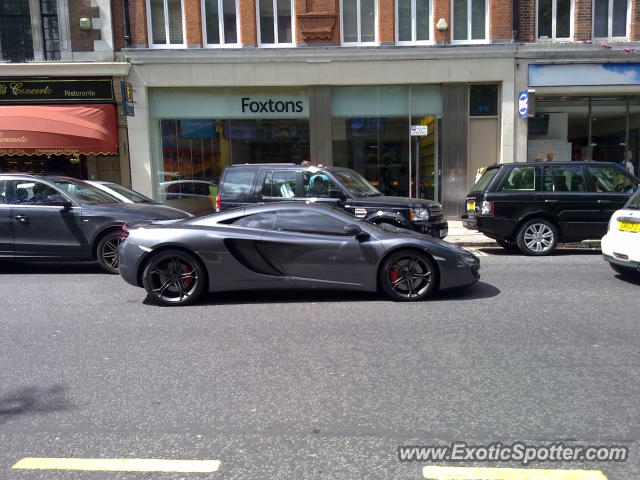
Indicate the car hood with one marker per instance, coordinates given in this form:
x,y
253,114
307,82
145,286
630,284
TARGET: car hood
x,y
141,211
394,202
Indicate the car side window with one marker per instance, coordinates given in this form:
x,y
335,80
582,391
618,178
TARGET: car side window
x,y
308,222
611,179
317,185
565,179
263,221
29,192
237,182
519,179
3,191
280,184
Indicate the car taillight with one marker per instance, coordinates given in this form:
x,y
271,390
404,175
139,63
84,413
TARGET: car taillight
x,y
218,200
488,208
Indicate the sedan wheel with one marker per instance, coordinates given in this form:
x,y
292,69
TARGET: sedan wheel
x,y
408,276
107,251
174,277
537,237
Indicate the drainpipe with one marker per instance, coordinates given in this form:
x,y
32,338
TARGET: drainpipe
x,y
127,25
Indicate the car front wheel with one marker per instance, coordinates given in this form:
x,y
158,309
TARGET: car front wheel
x,y
408,276
537,237
107,251
174,277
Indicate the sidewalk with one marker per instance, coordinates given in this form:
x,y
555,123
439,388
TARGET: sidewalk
x,y
469,238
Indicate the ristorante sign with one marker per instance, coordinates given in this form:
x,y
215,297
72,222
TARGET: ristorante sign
x,y
20,90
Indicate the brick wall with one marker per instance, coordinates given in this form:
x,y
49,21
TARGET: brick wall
x,y
117,19
248,28
634,34
582,20
442,9
527,21
500,20
386,21
193,23
138,23
82,40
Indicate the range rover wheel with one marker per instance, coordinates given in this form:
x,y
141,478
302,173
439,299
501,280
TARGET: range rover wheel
x,y
537,237
408,276
174,277
107,251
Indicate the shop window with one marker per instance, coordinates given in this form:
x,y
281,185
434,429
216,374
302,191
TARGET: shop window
x,y
554,19
483,100
16,42
413,19
220,18
275,25
359,22
610,18
470,20
166,28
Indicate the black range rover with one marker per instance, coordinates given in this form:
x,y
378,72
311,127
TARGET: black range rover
x,y
533,206
341,187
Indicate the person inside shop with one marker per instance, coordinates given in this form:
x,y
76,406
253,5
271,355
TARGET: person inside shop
x,y
628,163
549,156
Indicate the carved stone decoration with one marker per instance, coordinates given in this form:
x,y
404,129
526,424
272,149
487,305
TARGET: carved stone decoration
x,y
318,22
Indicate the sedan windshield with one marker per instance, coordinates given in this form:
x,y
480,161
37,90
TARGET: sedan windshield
x,y
356,183
634,202
83,192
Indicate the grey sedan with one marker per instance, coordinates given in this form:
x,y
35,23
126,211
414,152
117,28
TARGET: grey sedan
x,y
288,246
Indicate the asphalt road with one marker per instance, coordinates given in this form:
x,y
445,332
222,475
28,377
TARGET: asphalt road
x,y
310,385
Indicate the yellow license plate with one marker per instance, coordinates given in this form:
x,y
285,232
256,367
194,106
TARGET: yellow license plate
x,y
629,226
471,205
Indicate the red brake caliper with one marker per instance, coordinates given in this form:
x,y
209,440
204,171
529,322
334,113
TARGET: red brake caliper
x,y
188,282
393,274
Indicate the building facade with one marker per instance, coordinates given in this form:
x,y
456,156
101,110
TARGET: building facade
x,y
59,90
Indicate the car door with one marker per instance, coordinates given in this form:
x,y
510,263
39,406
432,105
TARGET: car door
x,y
566,197
313,249
6,223
518,193
611,187
42,228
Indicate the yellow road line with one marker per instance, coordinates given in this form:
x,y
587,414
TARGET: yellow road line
x,y
119,464
481,473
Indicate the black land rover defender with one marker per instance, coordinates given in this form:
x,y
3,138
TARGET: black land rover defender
x,y
342,187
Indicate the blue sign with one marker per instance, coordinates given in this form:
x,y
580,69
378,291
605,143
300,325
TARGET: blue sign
x,y
523,104
127,99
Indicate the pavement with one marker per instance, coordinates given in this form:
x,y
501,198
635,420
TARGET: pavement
x,y
318,385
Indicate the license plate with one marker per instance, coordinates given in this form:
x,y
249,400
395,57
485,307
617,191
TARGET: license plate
x,y
629,226
444,232
471,205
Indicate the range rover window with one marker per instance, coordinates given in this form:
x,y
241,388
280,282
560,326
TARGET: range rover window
x,y
308,222
520,179
237,182
564,179
317,184
280,184
483,182
612,179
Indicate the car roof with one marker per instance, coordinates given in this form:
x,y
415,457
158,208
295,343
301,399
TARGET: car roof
x,y
553,162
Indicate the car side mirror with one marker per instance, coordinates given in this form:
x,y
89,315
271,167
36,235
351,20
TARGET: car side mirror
x,y
65,204
354,230
336,193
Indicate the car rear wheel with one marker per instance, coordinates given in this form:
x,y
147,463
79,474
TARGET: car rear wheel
x,y
174,277
625,271
537,237
408,276
107,251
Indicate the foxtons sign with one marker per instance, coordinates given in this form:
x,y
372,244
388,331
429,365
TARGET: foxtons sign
x,y
271,106
57,90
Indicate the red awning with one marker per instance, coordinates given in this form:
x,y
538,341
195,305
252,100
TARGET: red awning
x,y
58,129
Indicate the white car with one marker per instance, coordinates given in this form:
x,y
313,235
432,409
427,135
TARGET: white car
x,y
621,244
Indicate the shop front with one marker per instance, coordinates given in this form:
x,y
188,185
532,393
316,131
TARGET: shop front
x,y
59,126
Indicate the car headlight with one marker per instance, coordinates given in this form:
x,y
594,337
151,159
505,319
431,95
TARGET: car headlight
x,y
419,214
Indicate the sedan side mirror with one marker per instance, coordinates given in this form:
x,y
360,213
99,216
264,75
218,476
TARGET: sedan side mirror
x,y
65,204
354,230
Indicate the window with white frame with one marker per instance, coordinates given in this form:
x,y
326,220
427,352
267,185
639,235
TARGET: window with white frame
x,y
470,20
610,18
358,21
275,22
413,20
166,28
220,18
554,18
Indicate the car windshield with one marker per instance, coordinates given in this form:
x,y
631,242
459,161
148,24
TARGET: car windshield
x,y
135,197
634,202
483,182
356,183
84,192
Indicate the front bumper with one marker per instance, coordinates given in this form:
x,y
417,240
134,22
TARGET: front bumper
x,y
439,229
129,258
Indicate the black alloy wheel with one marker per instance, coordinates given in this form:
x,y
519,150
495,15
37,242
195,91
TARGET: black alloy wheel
x,y
107,251
174,277
408,276
537,237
